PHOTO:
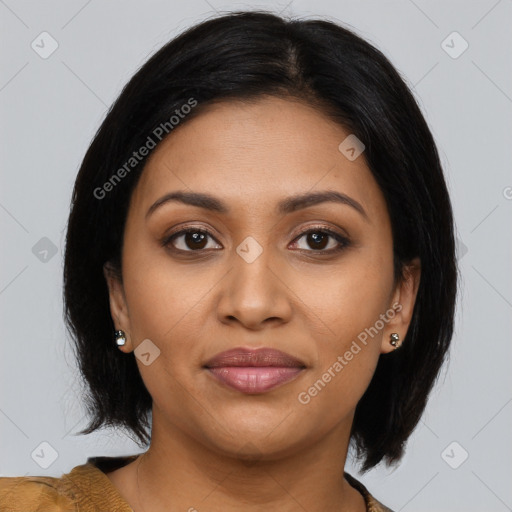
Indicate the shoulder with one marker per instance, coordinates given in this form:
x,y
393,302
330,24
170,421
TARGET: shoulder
x,y
86,488
31,493
372,504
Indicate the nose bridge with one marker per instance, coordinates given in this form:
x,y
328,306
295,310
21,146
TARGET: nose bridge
x,y
252,268
254,293
253,252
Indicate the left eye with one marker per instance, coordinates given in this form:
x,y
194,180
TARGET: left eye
x,y
318,239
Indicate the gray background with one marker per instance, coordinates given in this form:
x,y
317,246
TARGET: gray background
x,y
50,108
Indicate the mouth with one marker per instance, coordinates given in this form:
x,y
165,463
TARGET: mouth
x,y
254,371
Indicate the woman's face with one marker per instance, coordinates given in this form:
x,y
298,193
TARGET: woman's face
x,y
255,278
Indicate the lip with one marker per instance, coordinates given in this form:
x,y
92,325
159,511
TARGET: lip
x,y
254,371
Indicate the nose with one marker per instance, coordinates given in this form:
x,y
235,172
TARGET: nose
x,y
254,292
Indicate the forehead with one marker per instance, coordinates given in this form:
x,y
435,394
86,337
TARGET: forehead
x,y
254,154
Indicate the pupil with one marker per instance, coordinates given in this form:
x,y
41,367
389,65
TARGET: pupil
x,y
197,238
315,238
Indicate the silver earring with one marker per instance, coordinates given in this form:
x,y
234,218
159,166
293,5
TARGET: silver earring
x,y
120,337
394,339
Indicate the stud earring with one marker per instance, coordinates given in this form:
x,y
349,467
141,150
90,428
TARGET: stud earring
x,y
120,337
394,339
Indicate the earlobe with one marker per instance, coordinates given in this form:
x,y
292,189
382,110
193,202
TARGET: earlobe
x,y
404,297
117,300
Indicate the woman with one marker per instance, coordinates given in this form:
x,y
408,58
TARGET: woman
x,y
259,273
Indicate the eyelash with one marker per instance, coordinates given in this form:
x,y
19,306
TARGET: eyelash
x,y
345,242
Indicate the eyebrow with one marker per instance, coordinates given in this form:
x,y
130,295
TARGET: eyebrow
x,y
288,205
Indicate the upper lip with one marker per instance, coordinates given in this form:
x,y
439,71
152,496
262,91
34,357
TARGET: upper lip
x,y
254,357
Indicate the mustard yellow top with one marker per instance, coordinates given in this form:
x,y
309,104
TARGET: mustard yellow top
x,y
87,488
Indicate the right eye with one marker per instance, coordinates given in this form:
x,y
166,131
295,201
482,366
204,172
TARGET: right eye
x,y
188,240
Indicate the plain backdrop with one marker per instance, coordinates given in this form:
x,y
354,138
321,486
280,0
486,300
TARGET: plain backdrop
x,y
62,66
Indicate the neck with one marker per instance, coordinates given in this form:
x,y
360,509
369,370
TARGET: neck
x,y
179,473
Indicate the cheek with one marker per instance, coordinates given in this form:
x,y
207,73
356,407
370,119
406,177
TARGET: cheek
x,y
347,306
331,396
161,295
347,298
347,352
164,304
169,304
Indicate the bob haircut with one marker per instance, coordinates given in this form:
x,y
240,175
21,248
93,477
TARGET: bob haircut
x,y
244,56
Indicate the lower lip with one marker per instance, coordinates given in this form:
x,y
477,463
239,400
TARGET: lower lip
x,y
254,379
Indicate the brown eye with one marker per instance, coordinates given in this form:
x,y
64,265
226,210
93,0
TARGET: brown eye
x,y
189,240
319,239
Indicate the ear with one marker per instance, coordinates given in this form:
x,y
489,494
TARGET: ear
x,y
402,303
118,306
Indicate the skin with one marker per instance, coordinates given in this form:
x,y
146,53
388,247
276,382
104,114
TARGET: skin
x,y
214,448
